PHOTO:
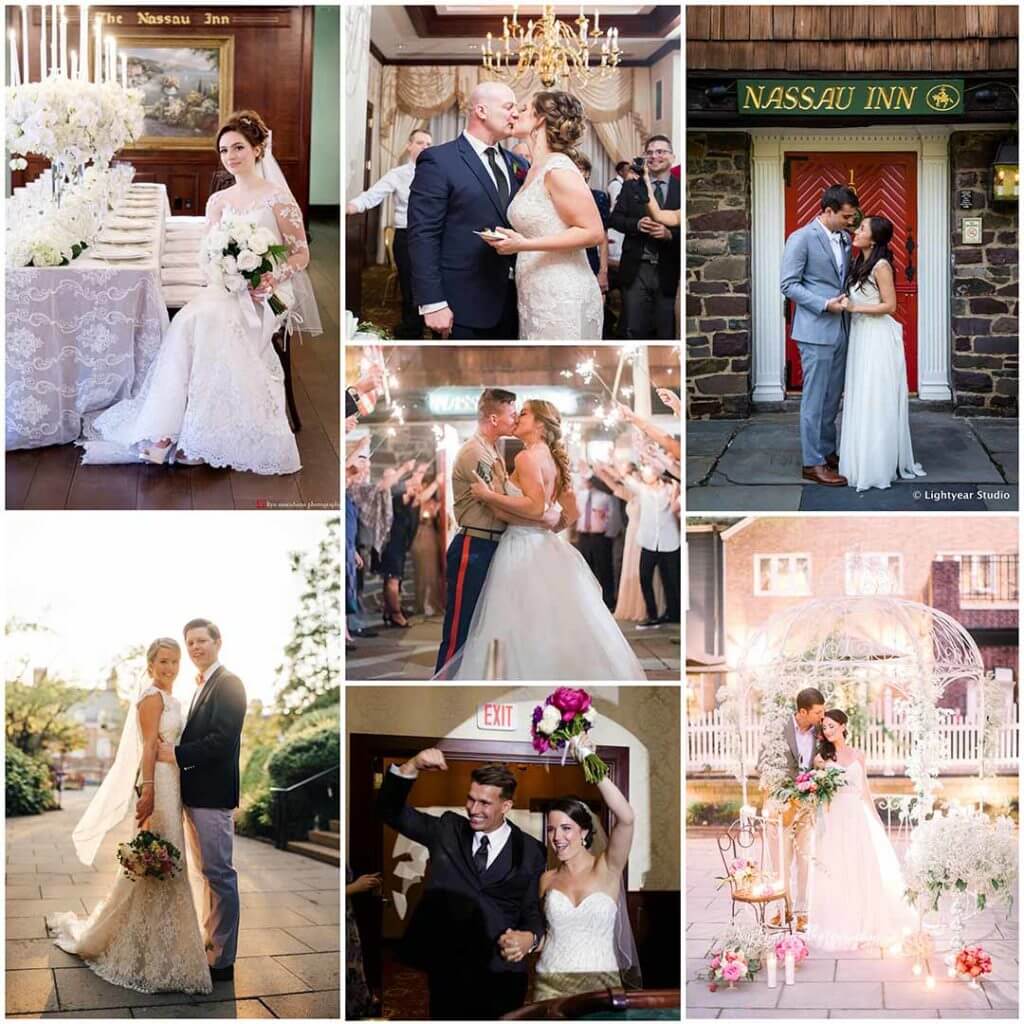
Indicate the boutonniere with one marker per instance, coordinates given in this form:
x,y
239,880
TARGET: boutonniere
x,y
520,172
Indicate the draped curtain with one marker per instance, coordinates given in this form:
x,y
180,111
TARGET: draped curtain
x,y
435,98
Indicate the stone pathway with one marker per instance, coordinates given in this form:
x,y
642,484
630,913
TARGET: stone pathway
x,y
754,465
867,982
411,653
288,955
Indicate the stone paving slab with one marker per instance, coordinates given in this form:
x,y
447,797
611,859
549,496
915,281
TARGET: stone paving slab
x,y
319,938
255,976
312,1005
30,991
719,498
268,942
75,1015
243,1009
947,995
27,953
859,995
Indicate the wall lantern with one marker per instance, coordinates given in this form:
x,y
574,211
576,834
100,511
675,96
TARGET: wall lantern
x,y
1006,173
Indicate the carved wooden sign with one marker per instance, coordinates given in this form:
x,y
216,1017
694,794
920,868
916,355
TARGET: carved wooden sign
x,y
824,97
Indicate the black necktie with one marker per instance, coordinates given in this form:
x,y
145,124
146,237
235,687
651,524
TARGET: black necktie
x,y
659,192
480,857
500,179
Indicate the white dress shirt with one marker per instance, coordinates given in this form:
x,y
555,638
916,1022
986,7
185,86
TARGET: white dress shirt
x,y
207,675
836,243
614,188
496,841
594,507
658,529
397,183
804,744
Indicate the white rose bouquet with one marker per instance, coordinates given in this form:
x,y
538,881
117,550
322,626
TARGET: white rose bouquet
x,y
238,252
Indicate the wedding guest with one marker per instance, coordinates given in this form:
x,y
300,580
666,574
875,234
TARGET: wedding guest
x,y
403,529
594,506
397,182
361,397
426,550
623,173
670,443
649,270
658,535
358,1000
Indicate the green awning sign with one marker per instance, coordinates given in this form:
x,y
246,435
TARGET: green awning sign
x,y
822,97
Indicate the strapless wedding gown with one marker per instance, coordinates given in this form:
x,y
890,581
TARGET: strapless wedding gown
x,y
579,947
544,605
875,447
144,935
559,297
216,386
856,882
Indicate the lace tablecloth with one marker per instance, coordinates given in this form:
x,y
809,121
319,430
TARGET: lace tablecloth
x,y
79,339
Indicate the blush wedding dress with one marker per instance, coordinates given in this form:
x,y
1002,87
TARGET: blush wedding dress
x,y
559,297
874,446
144,935
856,882
543,603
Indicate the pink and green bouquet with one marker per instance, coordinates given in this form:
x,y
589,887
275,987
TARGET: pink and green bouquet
x,y
149,855
791,944
973,962
565,715
742,873
816,786
736,955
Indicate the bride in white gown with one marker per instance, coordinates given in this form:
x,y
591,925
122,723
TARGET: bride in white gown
x,y
555,220
874,447
856,882
540,599
588,942
144,934
215,392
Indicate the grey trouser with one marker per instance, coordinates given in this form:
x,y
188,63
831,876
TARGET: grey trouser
x,y
210,832
650,314
824,368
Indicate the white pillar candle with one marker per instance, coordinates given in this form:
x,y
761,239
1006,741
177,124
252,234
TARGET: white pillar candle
x,y
124,70
790,967
773,969
15,76
83,41
97,69
64,66
24,43
54,41
74,64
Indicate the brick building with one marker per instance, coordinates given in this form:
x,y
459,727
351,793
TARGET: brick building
x,y
744,571
915,107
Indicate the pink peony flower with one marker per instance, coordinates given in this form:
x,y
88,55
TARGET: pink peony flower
x,y
803,785
732,972
570,702
716,962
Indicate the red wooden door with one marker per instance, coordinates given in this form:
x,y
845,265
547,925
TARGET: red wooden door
x,y
886,184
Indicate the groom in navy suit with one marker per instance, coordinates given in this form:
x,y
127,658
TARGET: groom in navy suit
x,y
464,289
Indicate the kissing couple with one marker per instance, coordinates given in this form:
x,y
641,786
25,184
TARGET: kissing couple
x,y
843,854
497,244
513,582
491,900
851,347
144,934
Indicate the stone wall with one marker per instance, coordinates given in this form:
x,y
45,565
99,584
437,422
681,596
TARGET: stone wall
x,y
984,286
718,324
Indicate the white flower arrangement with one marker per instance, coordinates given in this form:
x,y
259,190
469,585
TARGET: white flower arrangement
x,y
237,252
72,122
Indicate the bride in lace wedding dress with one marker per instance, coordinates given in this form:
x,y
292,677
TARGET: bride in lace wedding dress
x,y
144,935
555,220
215,392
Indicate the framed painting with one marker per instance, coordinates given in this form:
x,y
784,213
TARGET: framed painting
x,y
187,84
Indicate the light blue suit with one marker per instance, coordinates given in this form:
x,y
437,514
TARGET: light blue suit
x,y
810,277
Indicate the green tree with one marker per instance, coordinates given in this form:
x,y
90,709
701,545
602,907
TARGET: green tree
x,y
36,716
310,674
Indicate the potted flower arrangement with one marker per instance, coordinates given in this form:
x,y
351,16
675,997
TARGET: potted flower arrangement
x,y
973,962
737,955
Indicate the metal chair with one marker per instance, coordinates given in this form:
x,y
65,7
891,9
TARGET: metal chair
x,y
746,838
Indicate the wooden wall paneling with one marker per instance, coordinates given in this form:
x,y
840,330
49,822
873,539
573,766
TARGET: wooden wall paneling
x,y
273,74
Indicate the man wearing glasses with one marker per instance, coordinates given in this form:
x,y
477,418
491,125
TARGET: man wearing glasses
x,y
650,265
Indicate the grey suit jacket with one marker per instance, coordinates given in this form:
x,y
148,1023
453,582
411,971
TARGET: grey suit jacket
x,y
810,278
793,751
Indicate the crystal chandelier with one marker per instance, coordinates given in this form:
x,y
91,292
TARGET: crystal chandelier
x,y
550,48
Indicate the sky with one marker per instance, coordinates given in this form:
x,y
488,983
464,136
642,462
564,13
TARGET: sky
x,y
104,581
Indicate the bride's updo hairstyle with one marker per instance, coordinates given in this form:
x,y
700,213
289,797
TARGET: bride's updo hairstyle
x,y
562,118
827,748
550,421
160,643
579,812
881,235
250,126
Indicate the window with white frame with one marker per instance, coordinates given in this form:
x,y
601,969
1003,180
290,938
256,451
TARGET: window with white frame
x,y
873,572
985,577
782,575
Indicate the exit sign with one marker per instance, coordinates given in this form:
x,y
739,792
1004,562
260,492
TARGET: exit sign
x,y
496,716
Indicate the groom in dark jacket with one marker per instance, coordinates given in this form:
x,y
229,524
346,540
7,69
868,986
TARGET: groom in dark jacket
x,y
463,288
481,892
207,755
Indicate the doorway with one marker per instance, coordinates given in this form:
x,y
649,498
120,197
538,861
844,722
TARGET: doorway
x,y
886,184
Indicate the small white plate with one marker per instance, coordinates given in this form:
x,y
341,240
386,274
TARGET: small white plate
x,y
117,255
123,237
